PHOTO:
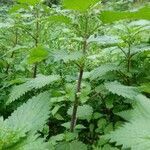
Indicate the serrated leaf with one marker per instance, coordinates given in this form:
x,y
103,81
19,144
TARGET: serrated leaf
x,y
58,19
37,54
112,16
32,142
140,48
26,117
29,117
135,133
122,90
104,40
79,5
29,2
37,83
66,57
102,70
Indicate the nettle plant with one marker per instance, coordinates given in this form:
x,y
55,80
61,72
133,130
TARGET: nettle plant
x,y
87,66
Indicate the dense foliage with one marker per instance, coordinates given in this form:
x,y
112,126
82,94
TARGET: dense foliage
x,y
74,74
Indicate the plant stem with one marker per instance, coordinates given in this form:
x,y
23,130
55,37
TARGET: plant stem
x,y
78,88
12,54
129,62
76,101
36,41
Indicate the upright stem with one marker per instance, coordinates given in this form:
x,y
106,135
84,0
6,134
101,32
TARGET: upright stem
x,y
12,54
129,61
78,88
36,41
76,101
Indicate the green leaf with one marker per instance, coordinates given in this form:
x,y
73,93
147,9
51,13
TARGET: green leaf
x,y
126,115
29,2
140,48
37,54
79,5
145,87
55,109
29,117
101,123
136,133
32,142
109,103
66,57
122,90
102,70
59,19
37,83
105,40
112,16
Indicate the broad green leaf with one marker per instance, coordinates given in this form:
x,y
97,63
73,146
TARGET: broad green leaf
x,y
37,83
31,142
112,16
37,54
29,2
29,117
105,40
140,48
79,5
102,70
135,134
122,90
66,57
145,87
59,19
17,7
25,118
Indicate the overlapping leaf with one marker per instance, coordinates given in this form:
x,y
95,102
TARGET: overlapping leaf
x,y
29,2
102,70
37,54
37,83
29,117
112,16
136,133
79,5
122,90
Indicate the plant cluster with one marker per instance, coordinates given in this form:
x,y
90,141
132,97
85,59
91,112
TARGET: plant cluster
x,y
74,74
